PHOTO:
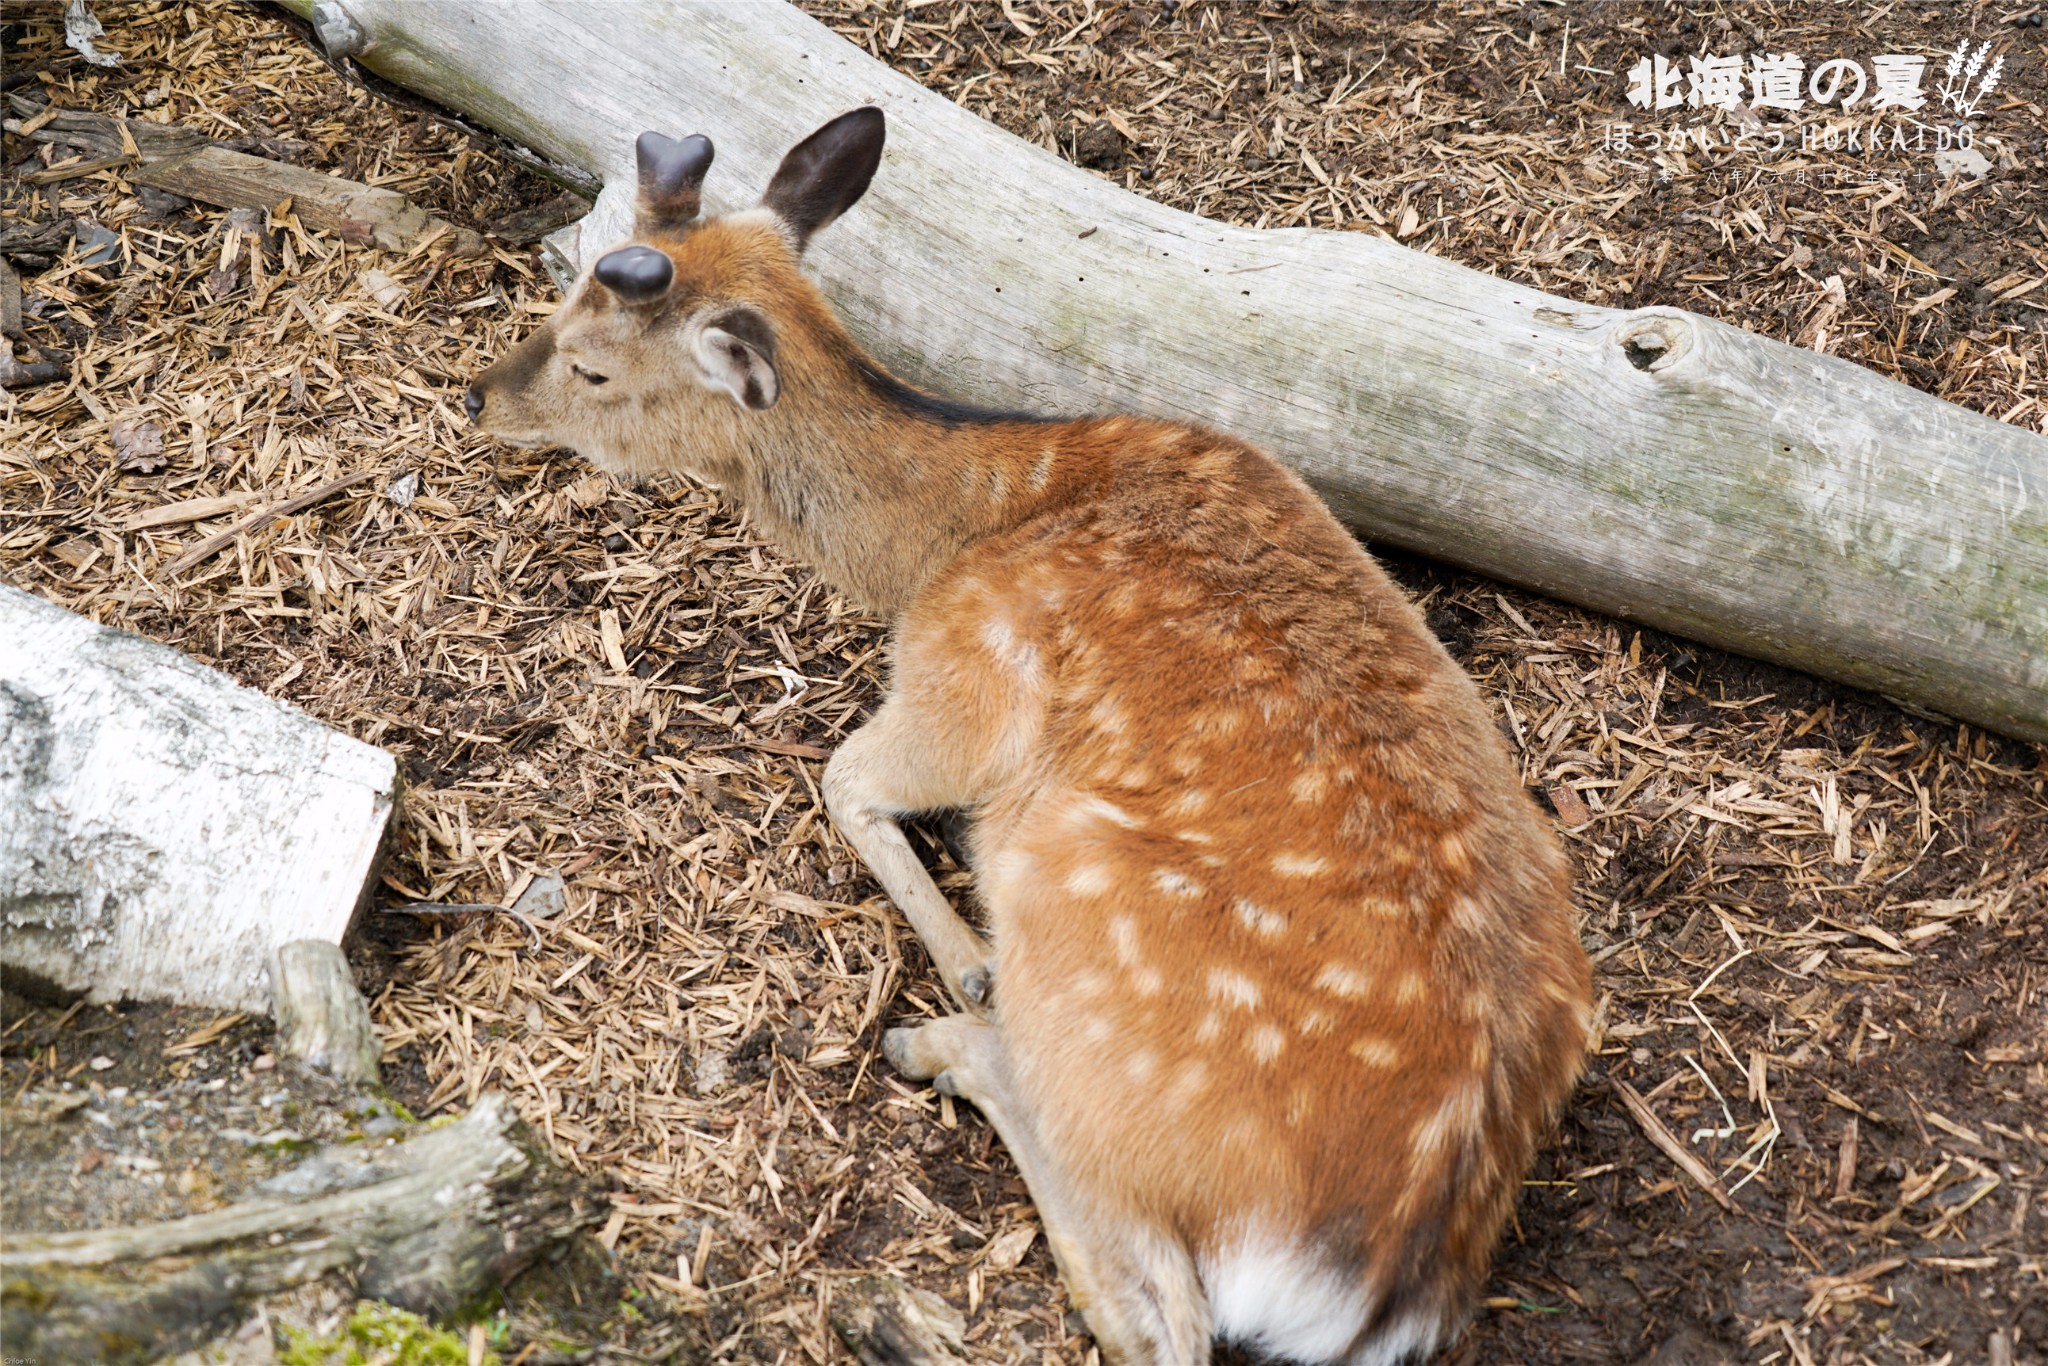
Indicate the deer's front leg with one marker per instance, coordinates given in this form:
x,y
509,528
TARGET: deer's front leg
x,y
888,769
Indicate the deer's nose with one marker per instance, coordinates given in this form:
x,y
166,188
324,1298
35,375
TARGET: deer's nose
x,y
473,402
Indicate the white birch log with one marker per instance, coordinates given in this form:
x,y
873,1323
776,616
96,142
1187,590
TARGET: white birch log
x,y
162,828
1649,463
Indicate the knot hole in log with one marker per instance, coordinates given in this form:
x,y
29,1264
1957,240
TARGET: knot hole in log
x,y
1654,342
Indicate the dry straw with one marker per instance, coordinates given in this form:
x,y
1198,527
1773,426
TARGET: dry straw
x,y
1835,910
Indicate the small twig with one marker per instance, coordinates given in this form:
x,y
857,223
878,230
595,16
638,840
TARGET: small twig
x,y
429,910
212,545
1653,1128
14,375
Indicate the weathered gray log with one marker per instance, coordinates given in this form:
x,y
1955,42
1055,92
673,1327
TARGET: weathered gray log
x,y
428,1225
322,1020
1650,463
165,828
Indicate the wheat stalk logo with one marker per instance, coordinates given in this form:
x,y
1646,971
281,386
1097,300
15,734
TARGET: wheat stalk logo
x,y
1961,69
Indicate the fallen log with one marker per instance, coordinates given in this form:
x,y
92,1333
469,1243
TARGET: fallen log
x,y
166,828
1649,463
429,1225
182,161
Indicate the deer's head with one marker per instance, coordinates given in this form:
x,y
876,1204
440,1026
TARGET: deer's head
x,y
673,347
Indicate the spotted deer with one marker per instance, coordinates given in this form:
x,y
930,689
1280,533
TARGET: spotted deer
x,y
1281,984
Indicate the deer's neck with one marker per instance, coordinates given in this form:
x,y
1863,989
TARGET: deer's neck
x,y
880,487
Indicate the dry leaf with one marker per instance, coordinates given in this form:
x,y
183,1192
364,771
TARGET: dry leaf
x,y
138,444
1007,1249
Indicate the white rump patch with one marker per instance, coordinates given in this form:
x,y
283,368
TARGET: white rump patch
x,y
1283,1300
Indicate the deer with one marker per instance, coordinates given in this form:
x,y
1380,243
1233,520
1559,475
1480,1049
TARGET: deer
x,y
1281,986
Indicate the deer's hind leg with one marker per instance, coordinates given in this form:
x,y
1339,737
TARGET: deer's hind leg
x,y
1136,1285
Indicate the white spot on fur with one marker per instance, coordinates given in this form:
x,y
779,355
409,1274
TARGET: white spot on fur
x,y
1314,1023
1041,470
1147,981
1309,785
1123,941
1265,1042
1195,836
1341,980
1301,1102
1300,865
1141,1065
1108,717
1466,915
1234,988
1088,809
1409,988
1175,883
1188,801
1004,645
1090,879
1376,1053
1259,920
1210,1029
1457,1120
1456,857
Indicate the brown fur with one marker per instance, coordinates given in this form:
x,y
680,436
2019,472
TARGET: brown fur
x,y
1284,955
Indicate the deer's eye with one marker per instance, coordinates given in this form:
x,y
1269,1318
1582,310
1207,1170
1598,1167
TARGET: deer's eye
x,y
590,376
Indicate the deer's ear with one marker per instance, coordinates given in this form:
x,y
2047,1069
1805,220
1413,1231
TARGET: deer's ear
x,y
826,173
671,181
735,352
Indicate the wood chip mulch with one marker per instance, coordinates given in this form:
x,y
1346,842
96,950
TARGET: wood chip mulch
x,y
1816,1129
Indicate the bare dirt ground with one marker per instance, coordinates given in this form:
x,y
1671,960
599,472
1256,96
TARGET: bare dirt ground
x,y
1819,920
